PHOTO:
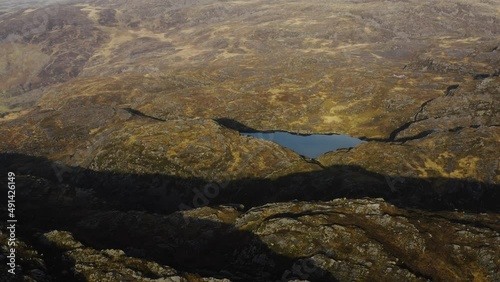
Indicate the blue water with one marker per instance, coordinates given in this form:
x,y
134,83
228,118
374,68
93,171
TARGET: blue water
x,y
311,146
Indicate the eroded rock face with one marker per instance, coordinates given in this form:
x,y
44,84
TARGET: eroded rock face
x,y
344,239
391,244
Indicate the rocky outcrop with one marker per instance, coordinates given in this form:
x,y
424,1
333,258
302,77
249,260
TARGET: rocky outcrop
x,y
112,265
30,265
391,244
339,240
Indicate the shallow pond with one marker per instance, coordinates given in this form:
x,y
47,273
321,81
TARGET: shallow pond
x,y
312,146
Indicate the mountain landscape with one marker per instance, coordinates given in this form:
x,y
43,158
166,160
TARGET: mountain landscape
x,y
124,123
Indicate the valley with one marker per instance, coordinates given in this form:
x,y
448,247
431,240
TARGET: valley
x,y
123,122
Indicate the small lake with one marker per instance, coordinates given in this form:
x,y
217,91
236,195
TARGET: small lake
x,y
312,146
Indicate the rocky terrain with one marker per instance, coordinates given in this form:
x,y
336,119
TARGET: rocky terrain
x,y
122,119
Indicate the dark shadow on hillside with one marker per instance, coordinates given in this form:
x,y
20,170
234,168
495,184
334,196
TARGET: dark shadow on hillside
x,y
141,114
193,245
127,211
165,194
235,125
203,246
